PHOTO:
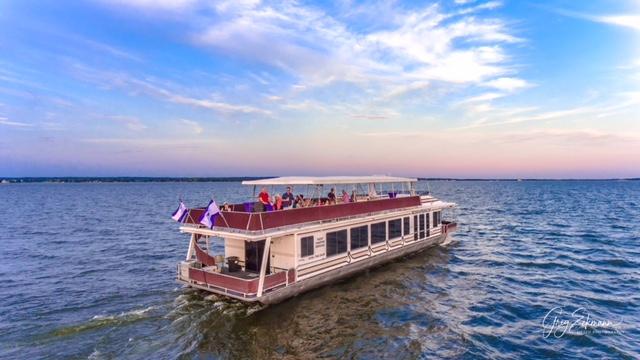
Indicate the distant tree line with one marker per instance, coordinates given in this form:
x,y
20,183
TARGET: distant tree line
x,y
524,179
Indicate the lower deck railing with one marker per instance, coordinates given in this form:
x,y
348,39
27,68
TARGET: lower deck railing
x,y
239,287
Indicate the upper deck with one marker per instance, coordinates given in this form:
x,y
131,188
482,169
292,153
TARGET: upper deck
x,y
240,220
243,218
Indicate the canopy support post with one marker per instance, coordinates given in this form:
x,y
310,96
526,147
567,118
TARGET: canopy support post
x,y
192,243
263,266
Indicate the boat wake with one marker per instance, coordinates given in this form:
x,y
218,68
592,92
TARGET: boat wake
x,y
193,300
100,321
447,241
232,307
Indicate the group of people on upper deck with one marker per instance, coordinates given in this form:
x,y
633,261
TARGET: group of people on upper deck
x,y
289,200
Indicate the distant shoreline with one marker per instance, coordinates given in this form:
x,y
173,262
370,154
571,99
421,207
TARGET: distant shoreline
x,y
144,179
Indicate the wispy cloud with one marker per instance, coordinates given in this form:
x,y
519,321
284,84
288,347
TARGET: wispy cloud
x,y
631,21
537,135
274,97
193,126
305,105
108,49
489,5
403,89
400,134
154,4
216,105
131,122
134,86
620,102
5,121
507,84
483,97
185,142
541,116
370,116
569,137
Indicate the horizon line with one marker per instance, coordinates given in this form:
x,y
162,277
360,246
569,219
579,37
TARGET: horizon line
x,y
33,179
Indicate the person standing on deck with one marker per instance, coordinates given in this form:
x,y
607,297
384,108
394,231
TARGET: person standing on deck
x,y
332,196
288,196
277,204
345,197
263,199
298,203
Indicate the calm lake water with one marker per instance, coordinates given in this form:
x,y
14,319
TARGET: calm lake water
x,y
87,271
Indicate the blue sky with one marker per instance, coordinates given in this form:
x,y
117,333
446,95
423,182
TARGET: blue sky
x,y
458,88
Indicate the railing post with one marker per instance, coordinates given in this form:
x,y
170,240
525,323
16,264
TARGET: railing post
x,y
263,266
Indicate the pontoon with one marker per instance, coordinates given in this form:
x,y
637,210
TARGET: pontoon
x,y
272,255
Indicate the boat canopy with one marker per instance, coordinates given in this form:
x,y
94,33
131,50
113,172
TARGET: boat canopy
x,y
329,180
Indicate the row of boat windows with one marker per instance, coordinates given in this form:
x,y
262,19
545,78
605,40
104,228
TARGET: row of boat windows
x,y
336,241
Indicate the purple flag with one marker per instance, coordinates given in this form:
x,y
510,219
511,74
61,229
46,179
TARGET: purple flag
x,y
207,219
181,213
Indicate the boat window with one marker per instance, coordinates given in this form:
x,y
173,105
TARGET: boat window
x,y
306,246
378,232
422,216
427,219
336,242
395,228
406,226
436,218
359,237
415,227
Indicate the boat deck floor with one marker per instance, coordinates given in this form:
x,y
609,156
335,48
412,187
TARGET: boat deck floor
x,y
247,275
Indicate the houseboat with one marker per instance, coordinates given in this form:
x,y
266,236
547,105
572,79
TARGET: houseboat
x,y
271,255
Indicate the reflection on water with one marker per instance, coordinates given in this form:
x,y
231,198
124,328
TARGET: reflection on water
x,y
87,281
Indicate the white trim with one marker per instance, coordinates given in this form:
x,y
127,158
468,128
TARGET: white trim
x,y
263,266
191,246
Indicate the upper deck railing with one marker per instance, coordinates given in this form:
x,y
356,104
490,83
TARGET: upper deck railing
x,y
256,221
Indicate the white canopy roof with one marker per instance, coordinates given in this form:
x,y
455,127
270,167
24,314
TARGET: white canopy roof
x,y
328,180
